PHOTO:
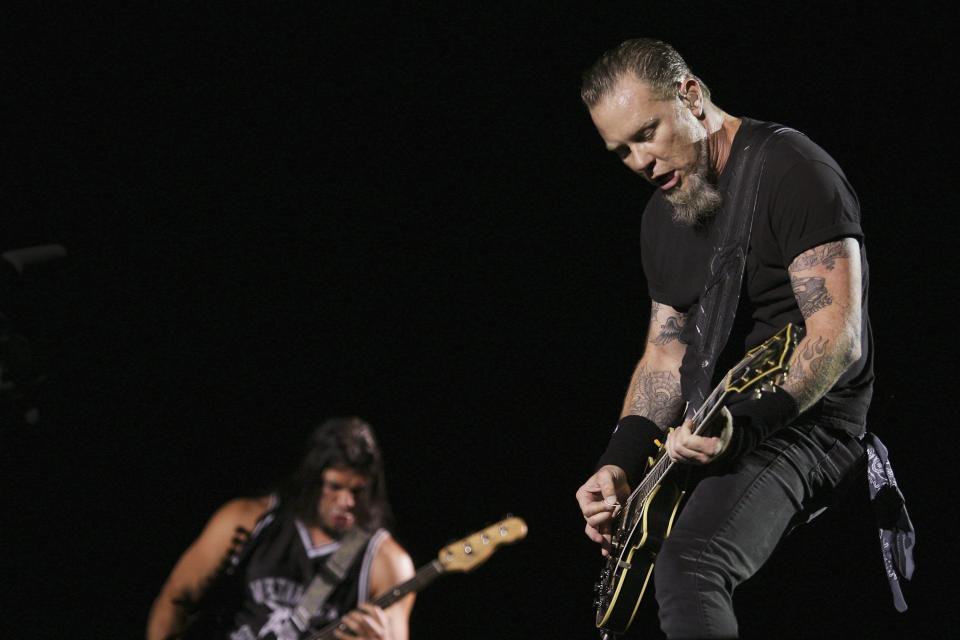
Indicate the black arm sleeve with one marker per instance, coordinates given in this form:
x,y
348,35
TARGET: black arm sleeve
x,y
756,419
633,440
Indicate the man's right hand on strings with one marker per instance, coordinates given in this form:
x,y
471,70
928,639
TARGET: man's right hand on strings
x,y
600,499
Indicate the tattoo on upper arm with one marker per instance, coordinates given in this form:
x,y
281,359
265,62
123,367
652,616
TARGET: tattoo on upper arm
x,y
811,291
670,328
821,358
825,254
669,331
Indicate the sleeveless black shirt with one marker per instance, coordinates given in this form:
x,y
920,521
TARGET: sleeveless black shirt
x,y
280,566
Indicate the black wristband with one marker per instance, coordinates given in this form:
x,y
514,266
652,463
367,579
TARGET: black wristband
x,y
755,419
631,443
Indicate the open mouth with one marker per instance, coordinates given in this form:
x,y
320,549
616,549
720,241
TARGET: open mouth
x,y
668,180
342,520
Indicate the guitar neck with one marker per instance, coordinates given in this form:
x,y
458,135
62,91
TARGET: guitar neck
x,y
701,418
424,576
758,364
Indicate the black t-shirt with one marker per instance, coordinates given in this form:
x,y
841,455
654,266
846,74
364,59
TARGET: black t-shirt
x,y
804,200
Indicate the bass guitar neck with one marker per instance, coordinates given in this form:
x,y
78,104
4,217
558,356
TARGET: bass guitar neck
x,y
462,555
424,576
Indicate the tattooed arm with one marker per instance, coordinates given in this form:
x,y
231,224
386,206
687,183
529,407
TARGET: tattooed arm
x,y
654,393
826,283
654,390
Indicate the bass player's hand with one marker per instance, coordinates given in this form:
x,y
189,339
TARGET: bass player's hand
x,y
600,499
367,621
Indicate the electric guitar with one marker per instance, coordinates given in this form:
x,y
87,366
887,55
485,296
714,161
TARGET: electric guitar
x,y
461,556
648,515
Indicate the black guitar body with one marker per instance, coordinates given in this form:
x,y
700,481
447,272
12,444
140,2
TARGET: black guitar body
x,y
629,566
651,510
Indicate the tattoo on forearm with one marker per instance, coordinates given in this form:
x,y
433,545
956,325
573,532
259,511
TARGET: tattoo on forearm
x,y
814,368
826,255
811,294
656,394
810,358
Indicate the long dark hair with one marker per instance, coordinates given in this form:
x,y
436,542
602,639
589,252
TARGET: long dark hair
x,y
340,442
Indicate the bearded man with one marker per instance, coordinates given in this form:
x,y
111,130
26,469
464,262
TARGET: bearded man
x,y
774,462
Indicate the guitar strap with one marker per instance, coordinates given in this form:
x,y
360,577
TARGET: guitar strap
x,y
713,320
326,580
717,306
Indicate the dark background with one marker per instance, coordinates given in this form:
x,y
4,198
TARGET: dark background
x,y
279,214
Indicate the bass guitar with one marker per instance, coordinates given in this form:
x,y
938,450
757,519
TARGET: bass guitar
x,y
461,556
648,515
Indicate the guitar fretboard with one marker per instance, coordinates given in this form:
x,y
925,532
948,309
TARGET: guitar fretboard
x,y
702,417
653,478
424,576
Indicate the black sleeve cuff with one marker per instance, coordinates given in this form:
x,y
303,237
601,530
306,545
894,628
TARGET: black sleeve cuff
x,y
633,440
755,419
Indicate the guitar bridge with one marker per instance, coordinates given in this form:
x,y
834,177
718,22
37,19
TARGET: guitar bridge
x,y
623,564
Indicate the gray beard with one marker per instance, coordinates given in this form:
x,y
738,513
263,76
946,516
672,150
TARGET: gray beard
x,y
700,200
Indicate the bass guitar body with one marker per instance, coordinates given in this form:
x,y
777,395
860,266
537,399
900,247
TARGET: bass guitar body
x,y
630,570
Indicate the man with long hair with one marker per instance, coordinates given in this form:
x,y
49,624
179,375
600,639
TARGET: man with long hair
x,y
286,539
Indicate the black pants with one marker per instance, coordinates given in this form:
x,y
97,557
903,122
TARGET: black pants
x,y
735,518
